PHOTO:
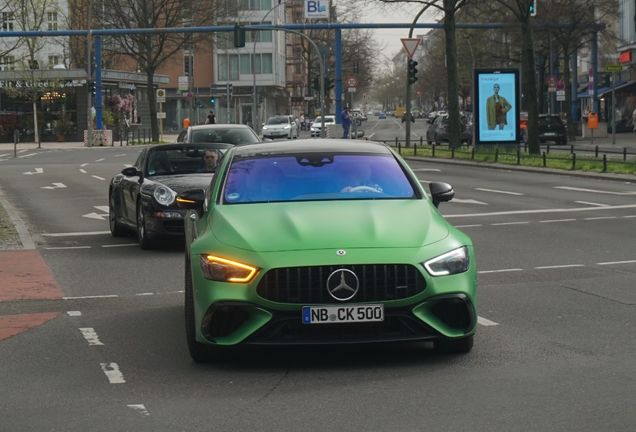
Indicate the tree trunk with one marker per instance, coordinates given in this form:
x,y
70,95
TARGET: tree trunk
x,y
152,101
36,133
529,87
452,74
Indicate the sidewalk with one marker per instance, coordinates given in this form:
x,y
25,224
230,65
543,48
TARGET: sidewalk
x,y
54,145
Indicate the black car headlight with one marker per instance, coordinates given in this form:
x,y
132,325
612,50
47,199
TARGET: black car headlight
x,y
164,195
224,270
450,263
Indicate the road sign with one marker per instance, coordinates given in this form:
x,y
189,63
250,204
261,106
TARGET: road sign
x,y
591,72
352,82
552,81
560,85
161,115
351,89
613,68
190,95
410,45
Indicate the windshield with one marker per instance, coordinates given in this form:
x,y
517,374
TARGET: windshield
x,y
277,120
328,119
188,159
316,177
229,135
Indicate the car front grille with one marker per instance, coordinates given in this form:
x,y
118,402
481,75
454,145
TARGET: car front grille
x,y
308,285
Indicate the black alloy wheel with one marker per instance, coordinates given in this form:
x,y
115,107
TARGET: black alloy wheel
x,y
115,229
142,231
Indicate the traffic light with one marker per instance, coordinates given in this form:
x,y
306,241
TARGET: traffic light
x,y
606,80
328,84
355,67
212,100
239,36
91,86
418,93
533,8
412,71
316,84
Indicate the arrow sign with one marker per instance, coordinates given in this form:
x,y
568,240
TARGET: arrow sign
x,y
410,45
94,215
37,171
55,186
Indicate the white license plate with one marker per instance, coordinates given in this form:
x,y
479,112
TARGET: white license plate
x,y
342,314
550,133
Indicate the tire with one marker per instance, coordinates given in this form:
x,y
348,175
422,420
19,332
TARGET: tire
x,y
142,231
454,346
115,229
199,352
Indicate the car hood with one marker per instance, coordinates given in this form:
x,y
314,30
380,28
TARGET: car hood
x,y
328,224
180,183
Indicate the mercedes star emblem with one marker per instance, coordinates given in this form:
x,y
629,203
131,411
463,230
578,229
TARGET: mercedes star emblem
x,y
342,284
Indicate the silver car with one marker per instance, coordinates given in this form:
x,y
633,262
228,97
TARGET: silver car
x,y
281,126
316,127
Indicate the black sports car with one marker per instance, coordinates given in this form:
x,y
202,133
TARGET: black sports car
x,y
142,197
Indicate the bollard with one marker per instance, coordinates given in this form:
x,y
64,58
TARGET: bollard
x,y
604,163
421,141
544,160
572,149
452,152
596,152
496,155
518,156
144,136
624,154
548,148
16,139
573,161
399,148
472,153
433,149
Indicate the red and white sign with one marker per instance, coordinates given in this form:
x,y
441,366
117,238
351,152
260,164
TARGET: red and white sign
x,y
352,82
552,81
625,57
410,45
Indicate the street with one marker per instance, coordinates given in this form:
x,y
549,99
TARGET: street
x,y
106,349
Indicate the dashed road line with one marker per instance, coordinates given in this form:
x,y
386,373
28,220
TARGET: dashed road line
x,y
90,335
617,262
509,223
113,373
140,408
499,191
500,271
593,191
83,165
74,313
90,297
557,220
98,177
73,234
99,160
592,204
66,247
540,211
119,245
599,218
559,266
468,226
83,171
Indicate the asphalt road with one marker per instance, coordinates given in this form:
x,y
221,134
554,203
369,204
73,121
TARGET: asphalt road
x,y
554,349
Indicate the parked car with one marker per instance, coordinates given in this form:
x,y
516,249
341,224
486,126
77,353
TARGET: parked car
x,y
237,134
382,115
439,131
551,128
326,262
316,127
358,114
281,126
142,198
412,118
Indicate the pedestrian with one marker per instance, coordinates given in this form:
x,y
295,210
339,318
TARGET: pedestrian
x,y
186,123
346,123
211,119
302,121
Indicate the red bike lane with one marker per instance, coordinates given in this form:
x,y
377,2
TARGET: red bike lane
x,y
25,276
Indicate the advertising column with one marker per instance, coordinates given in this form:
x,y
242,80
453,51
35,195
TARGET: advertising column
x,y
497,107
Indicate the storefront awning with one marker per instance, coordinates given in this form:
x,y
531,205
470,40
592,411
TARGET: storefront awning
x,y
587,94
620,89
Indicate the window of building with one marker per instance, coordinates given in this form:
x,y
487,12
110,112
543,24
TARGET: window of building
x,y
255,4
6,62
228,67
261,35
7,21
246,65
54,60
51,18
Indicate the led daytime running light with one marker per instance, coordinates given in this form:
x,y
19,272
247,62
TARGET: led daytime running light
x,y
251,271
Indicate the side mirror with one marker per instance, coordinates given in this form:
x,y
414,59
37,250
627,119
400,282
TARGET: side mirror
x,y
191,199
131,172
441,192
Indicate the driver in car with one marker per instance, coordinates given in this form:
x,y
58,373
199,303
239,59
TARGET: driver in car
x,y
210,159
359,180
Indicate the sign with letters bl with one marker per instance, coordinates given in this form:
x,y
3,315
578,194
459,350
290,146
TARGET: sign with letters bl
x,y
316,9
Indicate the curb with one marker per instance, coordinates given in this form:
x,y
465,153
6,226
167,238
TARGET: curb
x,y
20,227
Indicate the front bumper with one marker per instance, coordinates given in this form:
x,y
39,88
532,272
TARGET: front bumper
x,y
166,221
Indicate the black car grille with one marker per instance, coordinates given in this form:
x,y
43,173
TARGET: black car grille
x,y
173,226
308,285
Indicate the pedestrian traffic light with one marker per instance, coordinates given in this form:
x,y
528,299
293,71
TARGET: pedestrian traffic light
x,y
212,100
328,84
533,8
316,84
412,71
239,36
606,80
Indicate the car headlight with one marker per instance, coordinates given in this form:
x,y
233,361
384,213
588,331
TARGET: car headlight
x,y
264,127
312,129
164,195
287,127
225,270
453,262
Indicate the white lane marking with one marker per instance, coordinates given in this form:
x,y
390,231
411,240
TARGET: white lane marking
x,y
498,191
557,220
539,211
37,171
87,233
594,191
602,217
27,155
467,201
99,160
120,245
74,313
127,165
145,294
55,186
559,266
90,297
90,335
4,155
500,271
83,171
617,262
83,165
467,226
120,155
427,169
94,215
22,151
485,322
630,216
140,408
67,247
510,223
102,208
112,372
98,177
592,204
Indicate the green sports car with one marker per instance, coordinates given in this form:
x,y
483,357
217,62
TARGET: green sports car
x,y
323,242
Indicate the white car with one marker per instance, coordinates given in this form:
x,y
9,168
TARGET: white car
x,y
316,127
281,126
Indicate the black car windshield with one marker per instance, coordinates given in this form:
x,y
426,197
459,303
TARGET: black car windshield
x,y
229,135
550,120
277,120
316,177
187,159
